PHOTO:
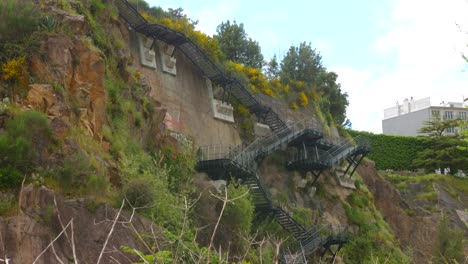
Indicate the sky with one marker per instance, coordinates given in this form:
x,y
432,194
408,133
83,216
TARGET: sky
x,y
383,51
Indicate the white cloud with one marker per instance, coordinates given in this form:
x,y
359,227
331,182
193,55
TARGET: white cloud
x,y
422,48
210,16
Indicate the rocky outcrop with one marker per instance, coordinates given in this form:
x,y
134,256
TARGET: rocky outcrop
x,y
75,65
415,232
42,97
42,216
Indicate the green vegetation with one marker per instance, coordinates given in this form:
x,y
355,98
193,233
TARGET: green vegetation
x,y
374,242
156,177
443,151
422,189
237,46
19,19
432,152
20,146
449,247
393,152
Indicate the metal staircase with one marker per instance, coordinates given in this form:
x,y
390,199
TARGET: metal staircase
x,y
306,128
316,160
225,162
241,163
208,68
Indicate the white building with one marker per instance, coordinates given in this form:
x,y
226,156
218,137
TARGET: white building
x,y
407,118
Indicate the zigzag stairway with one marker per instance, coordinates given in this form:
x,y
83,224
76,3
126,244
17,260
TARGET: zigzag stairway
x,y
312,152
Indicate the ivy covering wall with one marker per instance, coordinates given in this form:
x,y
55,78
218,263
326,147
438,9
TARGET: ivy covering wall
x,y
393,152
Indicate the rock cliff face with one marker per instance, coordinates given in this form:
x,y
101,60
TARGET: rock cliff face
x,y
43,216
416,232
73,65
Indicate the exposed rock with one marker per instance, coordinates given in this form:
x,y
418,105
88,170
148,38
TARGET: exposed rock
x,y
40,220
417,232
299,182
81,70
59,128
42,97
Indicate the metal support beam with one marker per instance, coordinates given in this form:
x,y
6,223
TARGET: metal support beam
x,y
229,94
316,174
305,150
357,164
224,94
353,162
350,163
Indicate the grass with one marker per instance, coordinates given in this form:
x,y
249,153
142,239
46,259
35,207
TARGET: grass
x,y
451,184
427,196
8,206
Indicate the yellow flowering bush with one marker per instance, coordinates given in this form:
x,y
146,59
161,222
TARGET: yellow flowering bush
x,y
294,106
206,43
15,70
256,78
303,100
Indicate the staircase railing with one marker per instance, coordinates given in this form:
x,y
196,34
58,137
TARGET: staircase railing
x,y
218,151
342,150
197,56
270,143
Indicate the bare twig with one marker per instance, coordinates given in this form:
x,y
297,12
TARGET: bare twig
x,y
52,242
56,256
217,223
75,258
71,241
110,232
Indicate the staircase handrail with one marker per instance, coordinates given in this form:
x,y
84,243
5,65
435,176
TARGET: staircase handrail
x,y
258,146
258,180
140,24
343,148
217,151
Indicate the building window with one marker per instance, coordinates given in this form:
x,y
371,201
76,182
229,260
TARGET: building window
x,y
462,115
435,114
448,115
450,130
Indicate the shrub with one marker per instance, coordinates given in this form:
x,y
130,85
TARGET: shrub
x,y
19,19
142,176
303,100
139,193
294,106
449,245
7,206
14,70
10,177
27,135
74,172
237,219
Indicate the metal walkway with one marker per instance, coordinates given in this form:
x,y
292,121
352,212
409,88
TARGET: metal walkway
x,y
241,163
208,68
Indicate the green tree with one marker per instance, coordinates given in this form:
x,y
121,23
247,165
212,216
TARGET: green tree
x,y
237,46
436,126
443,151
328,87
301,63
272,69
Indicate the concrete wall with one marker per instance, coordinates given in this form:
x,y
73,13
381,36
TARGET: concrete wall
x,y
406,125
186,98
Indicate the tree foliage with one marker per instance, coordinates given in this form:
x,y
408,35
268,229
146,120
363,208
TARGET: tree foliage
x,y
237,46
443,151
302,69
301,63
